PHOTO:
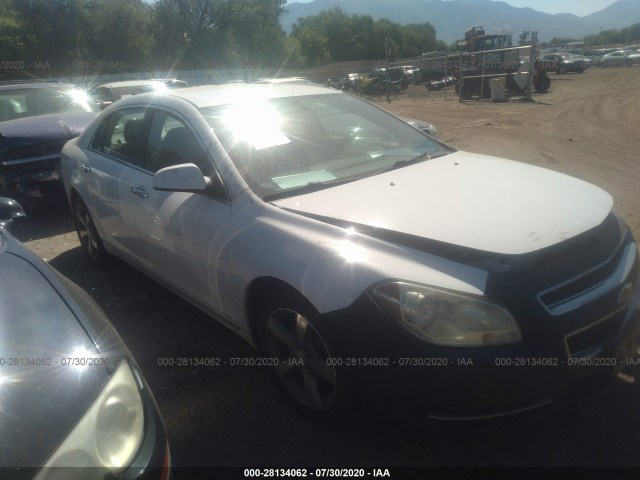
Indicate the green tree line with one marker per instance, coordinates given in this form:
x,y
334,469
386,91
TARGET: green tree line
x,y
625,36
56,37
111,36
334,36
51,37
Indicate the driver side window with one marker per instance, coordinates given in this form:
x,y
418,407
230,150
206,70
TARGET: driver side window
x,y
172,142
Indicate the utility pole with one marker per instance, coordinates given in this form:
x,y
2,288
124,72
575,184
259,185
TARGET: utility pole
x,y
386,70
532,62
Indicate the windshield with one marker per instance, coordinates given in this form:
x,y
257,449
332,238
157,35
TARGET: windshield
x,y
28,102
285,145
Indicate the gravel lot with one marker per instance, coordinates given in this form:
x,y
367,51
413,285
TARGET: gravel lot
x,y
586,125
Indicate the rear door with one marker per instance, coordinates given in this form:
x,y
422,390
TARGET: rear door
x,y
115,155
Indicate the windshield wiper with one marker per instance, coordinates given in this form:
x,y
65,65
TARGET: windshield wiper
x,y
403,163
308,188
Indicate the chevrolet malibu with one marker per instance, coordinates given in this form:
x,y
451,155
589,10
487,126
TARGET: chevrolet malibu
x,y
370,263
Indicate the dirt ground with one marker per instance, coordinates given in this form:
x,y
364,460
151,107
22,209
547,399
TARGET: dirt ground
x,y
586,126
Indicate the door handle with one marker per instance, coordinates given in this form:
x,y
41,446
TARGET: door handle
x,y
85,168
141,192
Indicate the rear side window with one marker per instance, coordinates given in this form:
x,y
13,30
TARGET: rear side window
x,y
123,136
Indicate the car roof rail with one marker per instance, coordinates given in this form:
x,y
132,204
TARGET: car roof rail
x,y
30,80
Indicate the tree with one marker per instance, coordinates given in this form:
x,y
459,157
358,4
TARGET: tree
x,y
121,37
523,37
52,31
331,34
255,25
11,47
189,33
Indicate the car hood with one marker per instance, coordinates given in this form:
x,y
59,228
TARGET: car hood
x,y
41,396
54,126
468,200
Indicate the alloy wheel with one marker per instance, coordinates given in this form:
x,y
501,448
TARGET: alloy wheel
x,y
304,365
87,232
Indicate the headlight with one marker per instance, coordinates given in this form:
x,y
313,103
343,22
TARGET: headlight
x,y
446,318
106,438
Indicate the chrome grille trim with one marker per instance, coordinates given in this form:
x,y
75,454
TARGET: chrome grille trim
x,y
616,279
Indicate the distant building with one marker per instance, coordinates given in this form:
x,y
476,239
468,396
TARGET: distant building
x,y
573,47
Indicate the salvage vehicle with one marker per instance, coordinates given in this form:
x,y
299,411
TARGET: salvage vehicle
x,y
107,93
372,264
435,85
484,56
620,58
36,120
74,402
500,60
562,63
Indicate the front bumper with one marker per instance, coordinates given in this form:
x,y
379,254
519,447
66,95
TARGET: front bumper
x,y
396,371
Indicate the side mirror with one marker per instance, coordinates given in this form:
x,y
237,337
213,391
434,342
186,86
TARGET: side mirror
x,y
185,177
11,213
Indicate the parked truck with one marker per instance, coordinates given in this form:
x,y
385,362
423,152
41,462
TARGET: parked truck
x,y
492,55
481,57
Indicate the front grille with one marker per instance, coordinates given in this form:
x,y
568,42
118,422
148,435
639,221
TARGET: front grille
x,y
31,168
36,150
581,285
593,335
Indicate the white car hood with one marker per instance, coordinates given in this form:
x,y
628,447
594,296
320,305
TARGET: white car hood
x,y
470,200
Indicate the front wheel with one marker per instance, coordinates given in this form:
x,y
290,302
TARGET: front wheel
x,y
303,354
88,235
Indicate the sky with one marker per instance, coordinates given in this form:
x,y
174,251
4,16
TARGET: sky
x,y
577,7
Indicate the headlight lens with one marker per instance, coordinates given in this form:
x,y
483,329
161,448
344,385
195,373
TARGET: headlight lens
x,y
108,436
447,318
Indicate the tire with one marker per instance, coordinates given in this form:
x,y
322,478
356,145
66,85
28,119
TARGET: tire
x,y
541,82
562,70
292,336
90,240
467,91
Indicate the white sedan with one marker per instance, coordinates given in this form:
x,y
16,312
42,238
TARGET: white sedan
x,y
368,261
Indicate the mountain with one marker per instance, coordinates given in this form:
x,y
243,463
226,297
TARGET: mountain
x,y
617,15
451,18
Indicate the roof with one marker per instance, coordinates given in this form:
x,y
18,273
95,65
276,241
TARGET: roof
x,y
129,83
212,95
284,80
38,85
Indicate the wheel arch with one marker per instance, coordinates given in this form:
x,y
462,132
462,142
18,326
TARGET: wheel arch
x,y
74,196
257,290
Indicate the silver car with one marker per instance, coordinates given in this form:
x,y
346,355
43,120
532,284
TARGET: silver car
x,y
372,264
620,58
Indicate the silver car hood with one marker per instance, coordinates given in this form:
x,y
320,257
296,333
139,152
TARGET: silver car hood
x,y
470,200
